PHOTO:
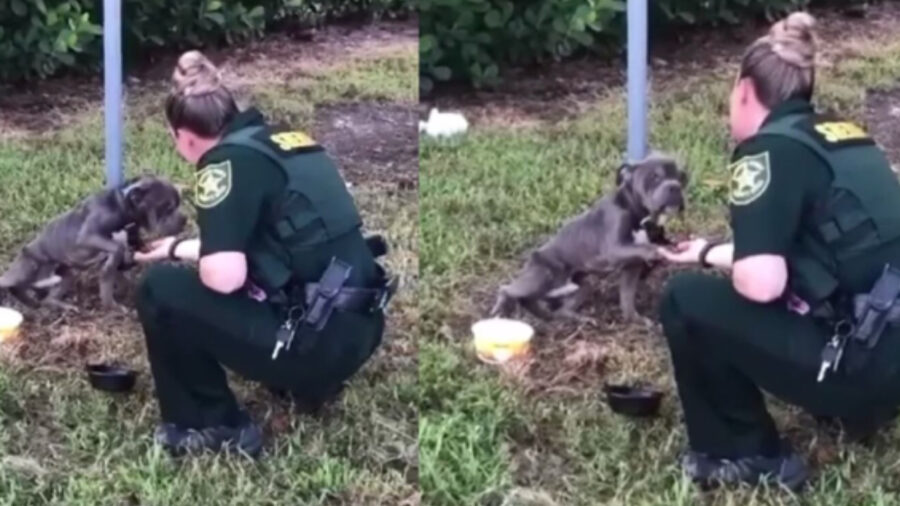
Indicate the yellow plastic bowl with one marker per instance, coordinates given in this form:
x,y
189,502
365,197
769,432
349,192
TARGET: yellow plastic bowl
x,y
498,340
10,320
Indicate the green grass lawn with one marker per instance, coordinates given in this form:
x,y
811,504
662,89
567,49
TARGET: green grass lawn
x,y
62,443
489,438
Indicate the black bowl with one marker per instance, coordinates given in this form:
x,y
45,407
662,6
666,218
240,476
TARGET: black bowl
x,y
110,378
633,400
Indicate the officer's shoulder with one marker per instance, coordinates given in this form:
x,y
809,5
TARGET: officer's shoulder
x,y
239,159
778,150
236,154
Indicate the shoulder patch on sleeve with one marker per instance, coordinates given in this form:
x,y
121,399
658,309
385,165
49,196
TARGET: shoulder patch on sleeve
x,y
213,184
750,178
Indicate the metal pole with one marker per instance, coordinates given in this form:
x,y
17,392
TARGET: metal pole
x,y
637,79
112,84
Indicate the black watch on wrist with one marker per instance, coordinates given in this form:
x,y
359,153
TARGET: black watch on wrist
x,y
173,247
705,251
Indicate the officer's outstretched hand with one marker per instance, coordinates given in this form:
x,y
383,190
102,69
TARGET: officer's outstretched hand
x,y
685,252
156,251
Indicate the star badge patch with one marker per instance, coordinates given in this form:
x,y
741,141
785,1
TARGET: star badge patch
x,y
213,184
750,178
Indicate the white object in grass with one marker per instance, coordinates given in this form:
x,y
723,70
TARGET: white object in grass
x,y
500,339
444,124
10,319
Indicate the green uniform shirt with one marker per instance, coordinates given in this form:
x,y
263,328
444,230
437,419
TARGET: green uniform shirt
x,y
229,212
235,189
775,181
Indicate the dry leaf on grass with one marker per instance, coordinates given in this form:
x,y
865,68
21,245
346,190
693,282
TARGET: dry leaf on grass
x,y
23,465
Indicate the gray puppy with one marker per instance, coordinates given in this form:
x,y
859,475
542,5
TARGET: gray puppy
x,y
84,238
618,232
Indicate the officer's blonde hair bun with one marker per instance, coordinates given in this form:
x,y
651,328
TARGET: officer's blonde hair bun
x,y
195,75
782,63
198,99
793,39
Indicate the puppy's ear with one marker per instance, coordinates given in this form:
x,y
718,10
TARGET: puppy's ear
x,y
136,195
623,174
135,192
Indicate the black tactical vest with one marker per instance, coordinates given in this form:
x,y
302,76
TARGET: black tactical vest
x,y
315,208
860,213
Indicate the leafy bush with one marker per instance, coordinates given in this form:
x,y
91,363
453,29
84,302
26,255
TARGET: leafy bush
x,y
471,40
36,38
40,37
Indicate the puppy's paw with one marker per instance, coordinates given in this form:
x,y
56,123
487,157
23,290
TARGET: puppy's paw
x,y
118,307
647,322
635,318
112,306
587,320
571,316
62,306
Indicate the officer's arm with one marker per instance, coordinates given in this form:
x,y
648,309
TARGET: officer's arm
x,y
224,272
760,278
230,195
770,178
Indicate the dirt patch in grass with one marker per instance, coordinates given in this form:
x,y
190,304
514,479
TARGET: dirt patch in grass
x,y
371,141
280,58
58,341
564,89
569,357
883,118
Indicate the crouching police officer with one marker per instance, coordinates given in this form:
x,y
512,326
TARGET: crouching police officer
x,y
287,290
809,312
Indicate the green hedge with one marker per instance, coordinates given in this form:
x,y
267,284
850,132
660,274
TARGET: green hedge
x,y
472,40
38,38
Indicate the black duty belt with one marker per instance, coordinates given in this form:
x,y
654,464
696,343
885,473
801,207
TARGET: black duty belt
x,y
357,300
321,299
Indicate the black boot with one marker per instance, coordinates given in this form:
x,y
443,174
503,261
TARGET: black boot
x,y
787,470
246,438
308,403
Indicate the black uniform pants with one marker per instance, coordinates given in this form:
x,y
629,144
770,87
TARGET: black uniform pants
x,y
192,332
726,350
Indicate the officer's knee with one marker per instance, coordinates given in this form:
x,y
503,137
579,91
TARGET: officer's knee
x,y
673,301
673,294
146,284
154,287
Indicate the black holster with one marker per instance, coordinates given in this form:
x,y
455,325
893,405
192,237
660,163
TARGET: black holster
x,y
321,302
873,311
